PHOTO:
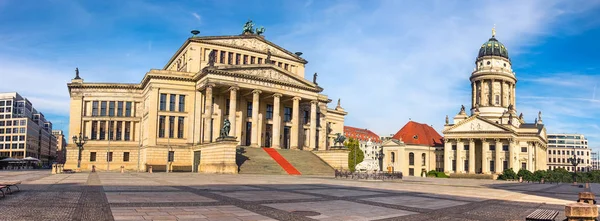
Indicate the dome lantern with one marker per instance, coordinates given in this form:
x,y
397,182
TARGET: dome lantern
x,y
493,47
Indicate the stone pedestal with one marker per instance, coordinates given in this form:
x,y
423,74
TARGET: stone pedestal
x,y
218,157
336,157
587,197
581,212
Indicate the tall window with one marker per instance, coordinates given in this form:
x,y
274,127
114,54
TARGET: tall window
x,y
504,165
181,103
252,60
163,102
249,110
94,130
95,108
230,58
493,166
171,127
466,168
318,119
125,156
111,127
466,147
103,108
119,130
222,57
245,59
120,109
102,130
227,107
269,111
504,147
260,61
524,166
237,59
306,117
161,126
393,157
171,156
128,109
287,114
497,99
172,102
180,127
411,159
111,108
423,159
109,157
127,131
92,156
492,147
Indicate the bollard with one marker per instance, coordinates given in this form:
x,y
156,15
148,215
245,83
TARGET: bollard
x,y
587,185
54,168
520,179
542,181
93,168
122,169
581,212
149,169
60,168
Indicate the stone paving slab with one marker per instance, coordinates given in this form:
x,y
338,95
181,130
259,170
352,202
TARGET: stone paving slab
x,y
265,195
185,213
150,197
340,192
341,210
417,202
225,187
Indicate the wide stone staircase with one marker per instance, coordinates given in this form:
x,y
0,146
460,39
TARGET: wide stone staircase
x,y
258,161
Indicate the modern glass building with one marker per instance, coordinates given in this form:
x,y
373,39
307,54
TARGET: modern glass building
x,y
563,147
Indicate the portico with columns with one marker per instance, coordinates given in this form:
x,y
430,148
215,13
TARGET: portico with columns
x,y
492,138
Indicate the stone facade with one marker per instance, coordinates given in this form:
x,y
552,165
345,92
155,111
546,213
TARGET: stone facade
x,y
412,150
492,138
256,85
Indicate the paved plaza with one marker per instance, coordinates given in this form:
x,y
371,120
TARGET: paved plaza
x,y
190,196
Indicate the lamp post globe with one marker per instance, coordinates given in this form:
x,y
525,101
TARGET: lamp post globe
x,y
79,141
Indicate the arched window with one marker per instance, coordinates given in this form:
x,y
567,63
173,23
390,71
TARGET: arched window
x,y
411,159
423,159
393,157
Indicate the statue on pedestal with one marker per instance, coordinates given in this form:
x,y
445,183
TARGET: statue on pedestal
x,y
339,139
225,129
447,121
77,73
248,27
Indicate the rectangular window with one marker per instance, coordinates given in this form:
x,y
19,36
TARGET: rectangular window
x,y
111,108
287,114
222,57
161,126
318,120
180,127
118,136
411,171
237,59
171,157
172,102
245,59
94,130
306,117
453,165
109,157
103,108
22,130
493,166
128,109
504,147
125,156
260,61
466,147
95,108
453,147
21,146
7,138
102,130
171,127
279,64
9,123
249,110
230,58
92,156
181,103
523,149
22,138
14,146
252,59
163,102
111,129
127,131
524,166
1,123
286,67
120,109
269,111
492,147
466,165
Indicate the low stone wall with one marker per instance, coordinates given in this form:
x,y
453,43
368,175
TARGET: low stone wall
x,y
218,157
336,158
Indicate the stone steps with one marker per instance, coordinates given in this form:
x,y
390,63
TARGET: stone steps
x,y
307,162
256,161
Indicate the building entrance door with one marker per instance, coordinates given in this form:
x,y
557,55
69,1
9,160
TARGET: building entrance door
x,y
268,135
197,155
248,133
286,138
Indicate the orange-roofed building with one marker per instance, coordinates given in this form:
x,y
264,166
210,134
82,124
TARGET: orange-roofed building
x,y
370,144
413,150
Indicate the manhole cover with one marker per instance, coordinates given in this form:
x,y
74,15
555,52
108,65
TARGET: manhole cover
x,y
306,213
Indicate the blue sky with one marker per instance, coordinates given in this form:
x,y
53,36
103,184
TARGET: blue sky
x,y
387,60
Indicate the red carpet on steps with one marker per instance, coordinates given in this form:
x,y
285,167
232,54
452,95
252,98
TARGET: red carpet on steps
x,y
282,161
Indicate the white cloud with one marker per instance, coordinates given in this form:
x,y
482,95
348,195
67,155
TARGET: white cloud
x,y
197,16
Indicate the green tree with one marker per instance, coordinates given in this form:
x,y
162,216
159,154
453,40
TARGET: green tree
x,y
538,175
508,174
355,152
526,174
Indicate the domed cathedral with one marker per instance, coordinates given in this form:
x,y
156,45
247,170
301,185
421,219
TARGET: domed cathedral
x,y
242,87
493,137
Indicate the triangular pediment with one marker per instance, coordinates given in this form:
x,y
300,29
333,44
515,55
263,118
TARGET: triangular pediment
x,y
267,73
476,124
257,44
392,142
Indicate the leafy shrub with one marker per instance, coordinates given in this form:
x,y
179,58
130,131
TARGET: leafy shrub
x,y
526,174
508,174
471,176
433,173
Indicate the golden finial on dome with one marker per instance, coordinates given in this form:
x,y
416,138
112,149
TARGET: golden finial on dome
x,y
494,31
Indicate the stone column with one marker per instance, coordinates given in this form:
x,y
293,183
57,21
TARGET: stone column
x,y
473,94
232,109
208,111
447,159
295,123
276,121
498,154
485,164
530,147
481,94
514,97
255,107
502,103
512,158
460,163
471,156
312,140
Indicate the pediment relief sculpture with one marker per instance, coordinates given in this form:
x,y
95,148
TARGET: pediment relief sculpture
x,y
254,44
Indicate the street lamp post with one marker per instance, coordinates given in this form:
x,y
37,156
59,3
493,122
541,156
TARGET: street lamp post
x,y
79,141
574,161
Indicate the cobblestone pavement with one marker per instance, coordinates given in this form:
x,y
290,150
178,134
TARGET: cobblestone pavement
x,y
187,196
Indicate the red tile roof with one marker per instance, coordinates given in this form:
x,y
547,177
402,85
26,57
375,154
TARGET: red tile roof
x,y
361,134
419,134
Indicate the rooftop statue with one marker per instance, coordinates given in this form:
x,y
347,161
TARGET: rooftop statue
x,y
462,108
447,121
248,27
540,116
260,30
339,105
77,73
315,78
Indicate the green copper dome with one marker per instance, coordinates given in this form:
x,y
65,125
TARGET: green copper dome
x,y
493,48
